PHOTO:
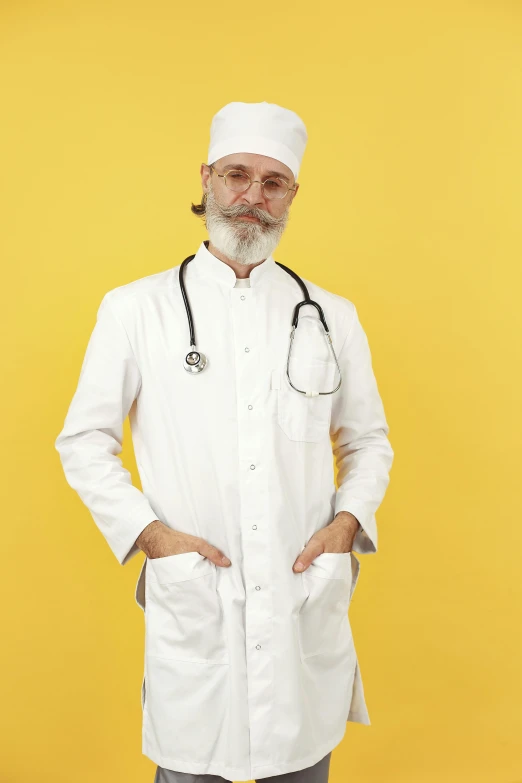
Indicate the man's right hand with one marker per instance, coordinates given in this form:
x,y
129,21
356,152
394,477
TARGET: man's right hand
x,y
159,540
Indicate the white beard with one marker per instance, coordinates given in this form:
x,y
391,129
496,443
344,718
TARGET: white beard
x,y
243,241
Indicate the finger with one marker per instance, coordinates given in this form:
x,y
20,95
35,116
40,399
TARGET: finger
x,y
213,553
309,553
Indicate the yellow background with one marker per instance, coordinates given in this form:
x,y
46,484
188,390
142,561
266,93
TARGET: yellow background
x,y
410,206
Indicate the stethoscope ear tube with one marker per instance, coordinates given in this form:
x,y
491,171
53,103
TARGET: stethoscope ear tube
x,y
330,345
295,319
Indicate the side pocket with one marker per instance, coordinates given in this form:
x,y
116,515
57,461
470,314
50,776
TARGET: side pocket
x,y
324,627
184,614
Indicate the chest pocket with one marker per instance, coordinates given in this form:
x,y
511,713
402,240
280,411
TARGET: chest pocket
x,y
300,417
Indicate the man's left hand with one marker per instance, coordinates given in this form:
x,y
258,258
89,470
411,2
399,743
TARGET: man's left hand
x,y
338,537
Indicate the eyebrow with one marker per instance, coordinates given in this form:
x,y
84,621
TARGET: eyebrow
x,y
248,168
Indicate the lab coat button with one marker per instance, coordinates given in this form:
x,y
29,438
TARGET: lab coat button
x,y
258,646
247,349
257,587
252,467
242,296
250,407
254,527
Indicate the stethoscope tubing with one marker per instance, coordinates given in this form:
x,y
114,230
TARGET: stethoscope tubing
x,y
295,321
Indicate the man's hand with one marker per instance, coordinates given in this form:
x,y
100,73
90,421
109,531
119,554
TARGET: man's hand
x,y
159,540
338,536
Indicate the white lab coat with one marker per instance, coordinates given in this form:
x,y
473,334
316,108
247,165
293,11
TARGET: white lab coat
x,y
251,670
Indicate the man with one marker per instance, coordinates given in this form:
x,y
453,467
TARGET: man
x,y
250,664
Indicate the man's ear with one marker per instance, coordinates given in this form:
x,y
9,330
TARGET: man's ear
x,y
205,174
294,192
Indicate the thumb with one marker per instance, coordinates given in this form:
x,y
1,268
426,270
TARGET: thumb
x,y
213,553
309,553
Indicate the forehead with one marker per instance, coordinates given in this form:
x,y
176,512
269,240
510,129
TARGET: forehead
x,y
256,164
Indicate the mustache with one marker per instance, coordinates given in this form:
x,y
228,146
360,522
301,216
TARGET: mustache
x,y
242,211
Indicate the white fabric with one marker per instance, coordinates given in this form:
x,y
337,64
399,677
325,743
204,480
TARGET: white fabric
x,y
262,128
251,670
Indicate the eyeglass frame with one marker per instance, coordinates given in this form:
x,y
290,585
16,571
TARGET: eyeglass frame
x,y
274,198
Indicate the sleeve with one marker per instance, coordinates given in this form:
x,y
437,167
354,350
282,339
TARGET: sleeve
x,y
362,451
92,436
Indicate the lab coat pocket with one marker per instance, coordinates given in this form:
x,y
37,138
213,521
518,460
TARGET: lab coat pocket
x,y
329,582
300,417
183,610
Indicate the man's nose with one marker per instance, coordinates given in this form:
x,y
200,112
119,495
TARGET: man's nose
x,y
254,194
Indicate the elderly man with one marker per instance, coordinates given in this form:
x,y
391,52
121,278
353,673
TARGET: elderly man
x,y
250,666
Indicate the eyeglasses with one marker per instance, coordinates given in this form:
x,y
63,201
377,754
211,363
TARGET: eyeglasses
x,y
239,181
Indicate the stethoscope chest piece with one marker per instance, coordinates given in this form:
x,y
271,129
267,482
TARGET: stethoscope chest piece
x,y
195,361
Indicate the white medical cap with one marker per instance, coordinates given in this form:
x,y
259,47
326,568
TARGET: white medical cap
x,y
262,128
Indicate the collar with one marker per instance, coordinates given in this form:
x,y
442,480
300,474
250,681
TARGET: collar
x,y
206,264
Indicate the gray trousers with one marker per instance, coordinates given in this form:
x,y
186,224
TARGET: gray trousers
x,y
318,773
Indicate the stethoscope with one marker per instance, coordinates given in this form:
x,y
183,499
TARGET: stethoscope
x,y
195,361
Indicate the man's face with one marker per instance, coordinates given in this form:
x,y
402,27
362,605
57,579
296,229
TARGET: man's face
x,y
246,226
